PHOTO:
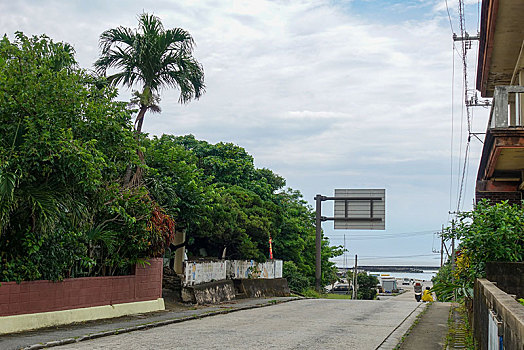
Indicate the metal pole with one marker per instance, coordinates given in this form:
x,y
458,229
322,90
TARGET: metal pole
x,y
355,281
441,251
442,248
453,258
345,258
318,241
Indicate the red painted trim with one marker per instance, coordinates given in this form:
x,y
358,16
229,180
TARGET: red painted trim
x,y
487,32
73,293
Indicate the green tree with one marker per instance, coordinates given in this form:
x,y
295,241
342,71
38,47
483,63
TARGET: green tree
x,y
367,286
490,232
227,204
64,144
154,57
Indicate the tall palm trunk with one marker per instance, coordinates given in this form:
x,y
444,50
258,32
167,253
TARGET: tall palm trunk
x,y
138,174
140,118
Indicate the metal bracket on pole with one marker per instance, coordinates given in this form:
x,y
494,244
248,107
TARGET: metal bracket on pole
x,y
319,219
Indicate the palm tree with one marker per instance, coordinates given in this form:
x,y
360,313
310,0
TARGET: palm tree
x,y
154,57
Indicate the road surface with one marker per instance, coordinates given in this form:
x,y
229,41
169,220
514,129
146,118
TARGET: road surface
x,y
303,324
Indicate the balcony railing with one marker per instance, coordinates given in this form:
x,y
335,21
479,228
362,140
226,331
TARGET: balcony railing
x,y
508,107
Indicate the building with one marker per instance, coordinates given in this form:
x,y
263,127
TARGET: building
x,y
500,75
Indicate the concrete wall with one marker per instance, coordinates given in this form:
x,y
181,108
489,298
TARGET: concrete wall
x,y
252,269
75,293
488,297
509,276
197,272
260,287
211,282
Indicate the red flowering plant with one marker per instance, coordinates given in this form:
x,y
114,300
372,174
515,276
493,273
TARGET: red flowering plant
x,y
162,228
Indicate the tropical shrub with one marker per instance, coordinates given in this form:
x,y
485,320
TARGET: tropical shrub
x,y
367,286
64,144
490,232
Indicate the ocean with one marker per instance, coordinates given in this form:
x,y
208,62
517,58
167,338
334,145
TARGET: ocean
x,y
423,276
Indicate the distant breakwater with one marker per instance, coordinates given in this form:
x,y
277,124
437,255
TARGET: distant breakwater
x,y
410,269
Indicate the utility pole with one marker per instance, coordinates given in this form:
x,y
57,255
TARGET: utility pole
x,y
345,258
355,282
442,247
453,258
441,251
318,241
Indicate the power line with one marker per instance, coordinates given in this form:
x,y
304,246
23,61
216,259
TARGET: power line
x,y
465,44
452,125
449,17
386,234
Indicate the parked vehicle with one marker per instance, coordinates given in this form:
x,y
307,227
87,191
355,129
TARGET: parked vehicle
x,y
341,288
418,291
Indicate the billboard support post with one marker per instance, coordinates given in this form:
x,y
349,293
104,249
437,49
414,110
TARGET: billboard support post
x,y
375,220
318,241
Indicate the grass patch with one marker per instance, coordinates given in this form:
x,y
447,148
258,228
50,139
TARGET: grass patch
x,y
336,296
459,327
311,293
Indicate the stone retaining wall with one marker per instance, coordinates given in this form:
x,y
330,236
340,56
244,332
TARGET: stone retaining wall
x,y
209,293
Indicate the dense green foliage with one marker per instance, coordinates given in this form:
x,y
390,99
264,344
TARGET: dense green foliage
x,y
64,143
65,211
367,286
443,285
226,204
490,232
297,281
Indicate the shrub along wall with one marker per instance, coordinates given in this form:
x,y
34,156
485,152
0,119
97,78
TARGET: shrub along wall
x,y
44,296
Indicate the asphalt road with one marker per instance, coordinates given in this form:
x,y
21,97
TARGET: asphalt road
x,y
303,324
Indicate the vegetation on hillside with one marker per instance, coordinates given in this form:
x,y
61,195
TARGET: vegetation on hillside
x,y
66,210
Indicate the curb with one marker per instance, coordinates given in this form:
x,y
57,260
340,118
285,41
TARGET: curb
x,y
151,325
392,334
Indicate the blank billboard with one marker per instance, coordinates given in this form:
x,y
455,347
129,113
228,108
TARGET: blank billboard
x,y
361,214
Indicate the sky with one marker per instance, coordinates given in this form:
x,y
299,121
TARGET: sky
x,y
327,94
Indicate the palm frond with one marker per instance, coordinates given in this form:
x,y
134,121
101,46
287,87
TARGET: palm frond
x,y
154,57
119,35
188,77
155,108
7,190
150,24
177,39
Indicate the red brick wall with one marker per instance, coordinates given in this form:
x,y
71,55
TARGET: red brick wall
x,y
511,197
42,296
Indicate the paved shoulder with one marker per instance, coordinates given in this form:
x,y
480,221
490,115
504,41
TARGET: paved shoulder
x,y
430,332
